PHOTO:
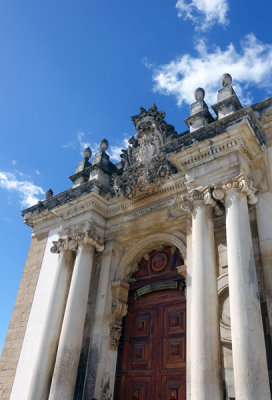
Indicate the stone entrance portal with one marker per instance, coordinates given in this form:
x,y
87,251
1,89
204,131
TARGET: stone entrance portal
x,y
152,351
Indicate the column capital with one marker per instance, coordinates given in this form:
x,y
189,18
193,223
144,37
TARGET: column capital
x,y
241,183
89,237
197,197
67,243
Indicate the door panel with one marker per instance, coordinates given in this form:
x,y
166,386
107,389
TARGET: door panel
x,y
152,352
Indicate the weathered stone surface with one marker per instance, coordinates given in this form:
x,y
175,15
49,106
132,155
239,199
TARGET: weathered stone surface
x,y
18,323
165,184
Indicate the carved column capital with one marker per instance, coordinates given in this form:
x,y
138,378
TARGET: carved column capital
x,y
197,197
67,243
241,183
72,242
119,310
90,237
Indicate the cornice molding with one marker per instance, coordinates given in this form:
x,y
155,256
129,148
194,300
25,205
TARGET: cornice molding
x,y
129,208
236,137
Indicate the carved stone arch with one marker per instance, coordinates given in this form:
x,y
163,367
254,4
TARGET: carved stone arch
x,y
129,261
128,266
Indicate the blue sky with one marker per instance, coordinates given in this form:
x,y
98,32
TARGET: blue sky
x,y
73,72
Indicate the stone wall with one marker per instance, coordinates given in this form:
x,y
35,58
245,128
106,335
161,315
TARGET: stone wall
x,y
18,323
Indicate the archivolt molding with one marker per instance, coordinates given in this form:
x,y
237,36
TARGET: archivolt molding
x,y
129,265
129,262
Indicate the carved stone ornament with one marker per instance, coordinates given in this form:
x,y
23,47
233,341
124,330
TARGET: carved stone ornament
x,y
145,165
241,183
92,238
119,310
72,243
200,196
68,243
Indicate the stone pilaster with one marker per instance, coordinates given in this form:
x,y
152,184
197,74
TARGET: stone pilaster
x,y
68,354
248,346
205,351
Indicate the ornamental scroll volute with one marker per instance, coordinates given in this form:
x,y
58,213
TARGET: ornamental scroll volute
x,y
119,290
144,164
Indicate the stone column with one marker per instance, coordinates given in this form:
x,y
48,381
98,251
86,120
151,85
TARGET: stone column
x,y
248,345
68,354
205,350
41,378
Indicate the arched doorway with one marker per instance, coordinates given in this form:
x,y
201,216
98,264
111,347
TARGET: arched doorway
x,y
152,351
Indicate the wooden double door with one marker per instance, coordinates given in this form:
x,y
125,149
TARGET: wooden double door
x,y
152,352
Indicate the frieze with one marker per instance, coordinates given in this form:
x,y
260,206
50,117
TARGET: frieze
x,y
105,207
157,206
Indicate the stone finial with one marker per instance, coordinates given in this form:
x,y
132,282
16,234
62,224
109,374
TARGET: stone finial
x,y
199,94
48,194
226,79
227,100
82,173
199,112
87,153
104,144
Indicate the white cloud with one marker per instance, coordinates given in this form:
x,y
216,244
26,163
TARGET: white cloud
x,y
115,151
204,13
27,191
13,162
37,172
250,67
82,142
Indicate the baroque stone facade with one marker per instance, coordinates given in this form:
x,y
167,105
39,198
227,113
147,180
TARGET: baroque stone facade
x,y
184,214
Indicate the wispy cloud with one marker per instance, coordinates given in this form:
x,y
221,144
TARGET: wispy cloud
x,y
204,13
13,162
29,193
115,151
250,67
81,142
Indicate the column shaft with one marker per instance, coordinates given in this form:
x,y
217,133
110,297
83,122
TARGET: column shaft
x,y
65,372
248,346
205,352
40,383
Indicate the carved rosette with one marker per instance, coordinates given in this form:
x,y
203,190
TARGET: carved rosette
x,y
242,183
119,310
197,197
71,243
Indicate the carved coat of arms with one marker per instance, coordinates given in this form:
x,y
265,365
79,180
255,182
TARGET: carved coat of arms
x,y
144,164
